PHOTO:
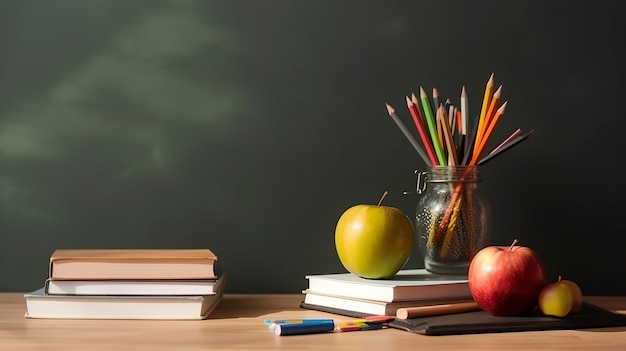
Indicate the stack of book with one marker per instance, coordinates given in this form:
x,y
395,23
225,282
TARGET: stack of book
x,y
348,294
128,284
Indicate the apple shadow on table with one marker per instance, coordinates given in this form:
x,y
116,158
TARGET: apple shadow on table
x,y
591,318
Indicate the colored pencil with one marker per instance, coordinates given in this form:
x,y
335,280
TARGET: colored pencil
x,y
272,323
451,117
464,107
392,113
517,140
430,120
459,138
488,133
464,144
505,141
440,136
452,121
305,328
493,105
447,133
470,145
420,110
435,98
421,129
483,110
436,310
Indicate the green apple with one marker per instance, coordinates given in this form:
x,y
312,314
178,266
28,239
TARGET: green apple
x,y
556,299
374,241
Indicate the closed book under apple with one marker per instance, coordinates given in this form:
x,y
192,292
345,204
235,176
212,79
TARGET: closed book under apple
x,y
132,264
406,285
342,304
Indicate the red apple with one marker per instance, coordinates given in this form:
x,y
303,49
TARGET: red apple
x,y
506,280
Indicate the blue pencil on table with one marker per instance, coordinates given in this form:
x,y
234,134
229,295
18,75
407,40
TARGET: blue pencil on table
x,y
311,326
272,323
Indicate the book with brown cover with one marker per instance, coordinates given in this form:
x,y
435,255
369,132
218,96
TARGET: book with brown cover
x,y
132,264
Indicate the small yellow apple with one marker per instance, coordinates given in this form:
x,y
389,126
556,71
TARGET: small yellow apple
x,y
578,295
374,241
556,299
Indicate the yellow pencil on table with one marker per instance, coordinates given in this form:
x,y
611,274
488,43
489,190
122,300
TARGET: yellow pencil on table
x,y
313,326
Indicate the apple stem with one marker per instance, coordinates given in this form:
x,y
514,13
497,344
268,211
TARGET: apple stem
x,y
514,242
383,198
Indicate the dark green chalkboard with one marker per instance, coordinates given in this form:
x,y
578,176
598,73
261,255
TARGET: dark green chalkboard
x,y
249,126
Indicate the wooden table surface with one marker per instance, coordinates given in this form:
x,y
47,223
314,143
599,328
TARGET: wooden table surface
x,y
237,324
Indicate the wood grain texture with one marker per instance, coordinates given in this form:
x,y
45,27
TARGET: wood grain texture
x,y
237,324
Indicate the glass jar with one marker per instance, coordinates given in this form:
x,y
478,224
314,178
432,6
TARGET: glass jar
x,y
452,219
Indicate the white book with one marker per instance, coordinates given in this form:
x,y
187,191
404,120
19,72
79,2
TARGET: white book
x,y
406,285
339,304
130,287
42,305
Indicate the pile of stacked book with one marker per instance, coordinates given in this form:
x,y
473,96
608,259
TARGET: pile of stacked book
x,y
128,284
350,295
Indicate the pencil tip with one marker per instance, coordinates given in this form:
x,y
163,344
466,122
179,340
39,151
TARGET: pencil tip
x,y
501,109
408,101
422,92
390,109
498,92
463,92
